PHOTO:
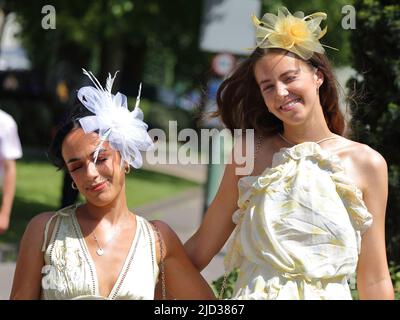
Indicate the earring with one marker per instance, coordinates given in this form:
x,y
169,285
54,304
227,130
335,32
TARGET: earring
x,y
127,169
73,186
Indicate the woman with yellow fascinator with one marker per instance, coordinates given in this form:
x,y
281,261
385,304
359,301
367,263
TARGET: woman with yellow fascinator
x,y
311,214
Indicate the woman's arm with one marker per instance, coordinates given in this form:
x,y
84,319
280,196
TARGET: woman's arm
x,y
373,277
182,279
217,225
27,277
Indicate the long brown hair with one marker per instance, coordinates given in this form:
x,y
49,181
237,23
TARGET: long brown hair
x,y
241,105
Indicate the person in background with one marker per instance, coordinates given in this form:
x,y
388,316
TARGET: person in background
x,y
10,150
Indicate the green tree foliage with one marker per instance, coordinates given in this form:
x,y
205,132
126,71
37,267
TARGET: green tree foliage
x,y
151,41
114,34
229,286
376,57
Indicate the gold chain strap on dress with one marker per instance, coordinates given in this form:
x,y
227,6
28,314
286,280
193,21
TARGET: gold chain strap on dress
x,y
162,269
229,258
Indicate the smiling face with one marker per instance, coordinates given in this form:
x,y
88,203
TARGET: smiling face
x,y
288,86
101,182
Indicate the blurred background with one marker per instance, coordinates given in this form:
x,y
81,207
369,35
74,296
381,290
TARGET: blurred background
x,y
181,51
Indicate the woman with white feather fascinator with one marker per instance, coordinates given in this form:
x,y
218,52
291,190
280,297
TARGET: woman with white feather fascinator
x,y
125,131
100,249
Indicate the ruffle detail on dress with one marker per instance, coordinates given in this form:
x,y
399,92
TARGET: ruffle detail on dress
x,y
350,194
67,211
280,288
278,179
353,200
282,169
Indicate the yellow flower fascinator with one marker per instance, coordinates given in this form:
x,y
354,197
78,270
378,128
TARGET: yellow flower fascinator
x,y
296,33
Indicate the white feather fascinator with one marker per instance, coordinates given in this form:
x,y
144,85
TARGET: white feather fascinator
x,y
125,130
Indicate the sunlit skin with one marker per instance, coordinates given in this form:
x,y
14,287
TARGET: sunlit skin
x,y
281,78
106,215
105,211
107,174
284,78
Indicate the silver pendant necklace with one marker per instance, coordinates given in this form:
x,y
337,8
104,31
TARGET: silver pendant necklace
x,y
100,249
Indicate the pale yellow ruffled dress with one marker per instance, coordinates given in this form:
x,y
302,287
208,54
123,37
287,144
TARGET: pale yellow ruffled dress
x,y
299,227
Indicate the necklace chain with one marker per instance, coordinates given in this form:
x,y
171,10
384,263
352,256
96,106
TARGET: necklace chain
x,y
318,142
100,249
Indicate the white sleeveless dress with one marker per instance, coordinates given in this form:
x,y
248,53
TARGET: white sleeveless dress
x,y
299,227
69,271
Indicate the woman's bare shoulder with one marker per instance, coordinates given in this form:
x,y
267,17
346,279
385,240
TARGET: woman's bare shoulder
x,y
36,226
164,228
364,164
168,237
39,221
363,154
